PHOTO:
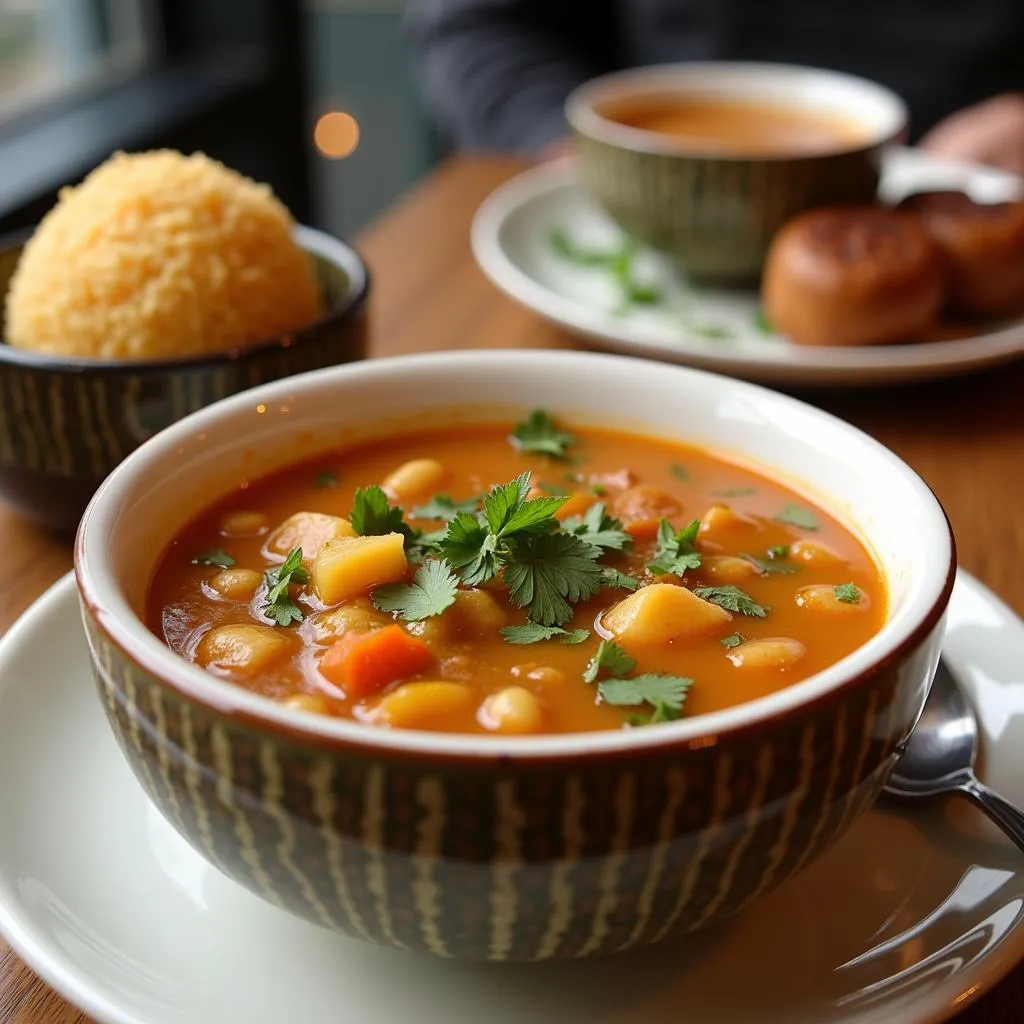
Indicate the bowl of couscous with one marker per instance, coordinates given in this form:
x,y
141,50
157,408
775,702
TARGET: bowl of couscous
x,y
160,284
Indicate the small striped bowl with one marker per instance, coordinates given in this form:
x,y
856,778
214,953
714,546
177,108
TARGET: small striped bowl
x,y
509,848
66,423
717,213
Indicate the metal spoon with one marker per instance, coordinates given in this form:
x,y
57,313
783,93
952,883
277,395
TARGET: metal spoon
x,y
939,758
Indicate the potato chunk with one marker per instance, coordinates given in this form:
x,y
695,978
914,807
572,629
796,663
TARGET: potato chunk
x,y
813,552
826,599
414,479
513,710
309,531
729,568
349,566
236,584
773,652
424,705
723,526
359,614
243,649
660,613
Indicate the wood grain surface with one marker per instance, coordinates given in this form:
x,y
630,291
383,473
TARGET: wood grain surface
x,y
965,437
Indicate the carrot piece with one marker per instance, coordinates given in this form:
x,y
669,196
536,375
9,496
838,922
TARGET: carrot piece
x,y
642,529
363,663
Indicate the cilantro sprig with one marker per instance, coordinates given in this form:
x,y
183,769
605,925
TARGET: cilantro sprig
x,y
596,527
847,593
373,515
277,603
665,695
538,434
217,557
534,632
769,566
432,591
796,515
610,660
441,506
732,599
675,552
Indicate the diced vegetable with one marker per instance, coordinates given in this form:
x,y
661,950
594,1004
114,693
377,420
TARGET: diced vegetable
x,y
814,553
309,531
642,508
310,702
236,584
577,503
414,479
357,614
723,526
512,710
425,705
364,663
350,566
244,523
823,598
243,648
661,613
775,652
729,568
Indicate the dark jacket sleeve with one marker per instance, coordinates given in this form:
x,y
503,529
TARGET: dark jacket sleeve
x,y
496,72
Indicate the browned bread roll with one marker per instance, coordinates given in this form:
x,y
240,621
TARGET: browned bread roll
x,y
852,275
983,245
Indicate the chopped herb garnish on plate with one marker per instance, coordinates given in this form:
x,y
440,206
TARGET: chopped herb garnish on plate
x,y
675,552
769,566
538,434
733,640
432,591
325,480
278,604
762,323
847,593
713,332
221,559
441,506
664,694
596,527
610,660
533,632
797,515
732,599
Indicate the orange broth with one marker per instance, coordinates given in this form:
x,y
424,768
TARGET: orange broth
x,y
641,480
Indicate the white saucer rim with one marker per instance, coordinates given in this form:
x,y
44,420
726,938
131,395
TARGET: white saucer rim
x,y
74,988
820,367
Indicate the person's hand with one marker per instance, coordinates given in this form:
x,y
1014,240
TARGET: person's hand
x,y
988,133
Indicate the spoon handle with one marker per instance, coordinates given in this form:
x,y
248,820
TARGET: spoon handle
x,y
1004,814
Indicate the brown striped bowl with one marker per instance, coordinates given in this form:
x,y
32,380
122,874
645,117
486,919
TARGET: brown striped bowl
x,y
66,423
510,848
716,212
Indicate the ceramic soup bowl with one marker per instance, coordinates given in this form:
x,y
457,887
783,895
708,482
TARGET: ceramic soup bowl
x,y
717,212
66,423
510,848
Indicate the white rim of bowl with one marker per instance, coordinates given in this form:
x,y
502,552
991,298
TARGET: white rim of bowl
x,y
735,79
96,583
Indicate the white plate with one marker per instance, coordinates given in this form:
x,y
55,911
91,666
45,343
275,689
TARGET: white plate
x,y
906,919
511,242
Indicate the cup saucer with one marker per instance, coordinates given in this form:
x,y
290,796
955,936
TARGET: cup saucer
x,y
916,911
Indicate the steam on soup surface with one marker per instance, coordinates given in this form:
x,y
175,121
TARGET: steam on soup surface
x,y
739,127
472,580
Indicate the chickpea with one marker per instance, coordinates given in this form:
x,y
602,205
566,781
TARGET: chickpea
x,y
547,675
513,710
357,614
729,568
813,552
243,648
310,702
236,584
720,524
244,523
414,479
823,598
425,705
773,653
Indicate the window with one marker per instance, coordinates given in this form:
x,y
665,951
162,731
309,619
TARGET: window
x,y
54,48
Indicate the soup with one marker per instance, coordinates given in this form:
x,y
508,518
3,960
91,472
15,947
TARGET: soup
x,y
472,580
739,127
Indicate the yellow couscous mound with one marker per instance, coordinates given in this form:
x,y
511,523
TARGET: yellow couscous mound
x,y
160,255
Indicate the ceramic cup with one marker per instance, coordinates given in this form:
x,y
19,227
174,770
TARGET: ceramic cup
x,y
66,423
716,212
504,847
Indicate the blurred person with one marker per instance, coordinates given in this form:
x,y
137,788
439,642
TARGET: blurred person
x,y
497,72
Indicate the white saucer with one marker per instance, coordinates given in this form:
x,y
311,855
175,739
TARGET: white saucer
x,y
905,920
511,242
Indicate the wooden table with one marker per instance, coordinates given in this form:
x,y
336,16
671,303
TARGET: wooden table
x,y
966,438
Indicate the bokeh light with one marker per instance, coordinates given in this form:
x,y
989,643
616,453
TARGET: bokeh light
x,y
336,135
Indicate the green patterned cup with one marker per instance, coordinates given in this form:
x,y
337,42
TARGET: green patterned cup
x,y
66,423
716,212
509,848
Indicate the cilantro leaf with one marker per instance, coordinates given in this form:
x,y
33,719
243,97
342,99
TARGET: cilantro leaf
x,y
548,573
732,641
612,579
424,545
532,632
762,323
508,510
538,434
221,559
778,551
675,552
599,489
610,660
732,599
679,472
797,515
847,593
325,480
373,515
432,590
665,694
278,604
734,492
556,489
441,506
469,549
769,566
596,527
